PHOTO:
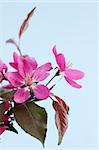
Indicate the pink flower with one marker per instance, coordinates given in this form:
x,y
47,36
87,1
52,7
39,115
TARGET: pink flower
x,y
26,77
69,74
3,69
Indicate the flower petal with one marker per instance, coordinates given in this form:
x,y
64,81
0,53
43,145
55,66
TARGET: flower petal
x,y
54,50
74,74
14,78
21,95
41,91
72,83
46,66
26,65
40,76
60,59
15,63
9,86
3,66
15,57
30,64
2,129
41,72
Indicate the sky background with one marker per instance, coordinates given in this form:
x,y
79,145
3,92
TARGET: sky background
x,y
72,27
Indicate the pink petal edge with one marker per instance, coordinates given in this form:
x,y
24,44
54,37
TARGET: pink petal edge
x,y
41,73
60,59
72,83
41,91
74,74
21,95
14,78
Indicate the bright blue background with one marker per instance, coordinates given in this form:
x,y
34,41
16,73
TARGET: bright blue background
x,y
73,28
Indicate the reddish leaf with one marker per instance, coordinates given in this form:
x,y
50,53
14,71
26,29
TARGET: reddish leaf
x,y
61,118
12,41
25,22
63,103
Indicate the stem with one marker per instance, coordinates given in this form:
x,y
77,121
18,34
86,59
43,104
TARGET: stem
x,y
19,50
18,47
51,79
37,100
52,87
51,98
57,74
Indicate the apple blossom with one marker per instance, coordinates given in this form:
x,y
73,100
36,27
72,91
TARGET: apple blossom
x,y
69,74
26,77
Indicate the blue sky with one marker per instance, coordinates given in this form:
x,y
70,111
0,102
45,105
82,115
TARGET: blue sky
x,y
72,27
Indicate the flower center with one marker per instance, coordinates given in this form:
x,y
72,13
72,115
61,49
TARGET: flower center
x,y
28,81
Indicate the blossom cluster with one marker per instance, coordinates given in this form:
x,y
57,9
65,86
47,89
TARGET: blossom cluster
x,y
27,75
25,85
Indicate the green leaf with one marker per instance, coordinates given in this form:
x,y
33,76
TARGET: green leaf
x,y
6,93
32,119
11,128
2,110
